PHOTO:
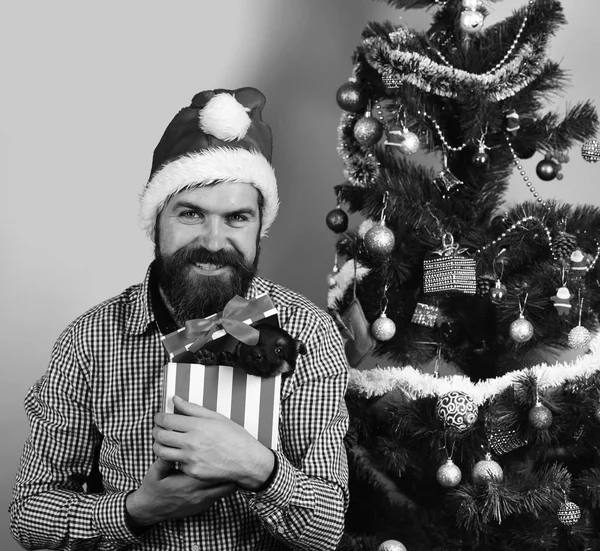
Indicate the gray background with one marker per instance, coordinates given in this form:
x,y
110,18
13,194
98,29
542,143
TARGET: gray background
x,y
87,90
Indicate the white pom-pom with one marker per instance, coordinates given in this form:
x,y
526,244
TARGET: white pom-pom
x,y
224,118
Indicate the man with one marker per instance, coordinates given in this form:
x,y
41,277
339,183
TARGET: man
x,y
97,471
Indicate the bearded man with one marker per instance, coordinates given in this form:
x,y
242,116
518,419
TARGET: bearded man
x,y
97,471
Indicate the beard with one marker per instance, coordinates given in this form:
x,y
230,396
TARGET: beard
x,y
191,295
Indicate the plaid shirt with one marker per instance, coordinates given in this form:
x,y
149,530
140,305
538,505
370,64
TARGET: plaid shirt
x,y
98,399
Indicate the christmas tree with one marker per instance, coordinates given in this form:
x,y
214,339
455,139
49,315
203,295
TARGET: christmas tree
x,y
470,433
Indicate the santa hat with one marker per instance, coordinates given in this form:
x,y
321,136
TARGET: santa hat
x,y
220,137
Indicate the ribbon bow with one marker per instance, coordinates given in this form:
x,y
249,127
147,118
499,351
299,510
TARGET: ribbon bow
x,y
201,330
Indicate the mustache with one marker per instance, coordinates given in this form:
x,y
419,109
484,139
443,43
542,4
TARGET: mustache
x,y
200,255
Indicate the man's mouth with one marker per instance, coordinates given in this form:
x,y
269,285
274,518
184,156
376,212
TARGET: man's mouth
x,y
210,269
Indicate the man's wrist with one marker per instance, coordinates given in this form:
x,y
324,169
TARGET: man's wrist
x,y
262,474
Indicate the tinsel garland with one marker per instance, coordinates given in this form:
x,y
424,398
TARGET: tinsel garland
x,y
416,384
343,280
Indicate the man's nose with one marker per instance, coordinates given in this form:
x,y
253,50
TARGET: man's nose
x,y
214,235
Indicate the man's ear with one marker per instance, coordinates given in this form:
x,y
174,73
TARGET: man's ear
x,y
300,347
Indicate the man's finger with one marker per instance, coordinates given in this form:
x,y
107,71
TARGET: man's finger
x,y
194,410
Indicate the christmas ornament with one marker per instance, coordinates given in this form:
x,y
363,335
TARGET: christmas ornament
x,y
487,470
471,21
356,331
580,262
562,301
569,513
590,151
481,159
505,440
450,271
563,245
546,170
425,314
391,545
498,293
579,337
445,181
350,98
540,417
521,330
337,220
472,4
405,141
380,240
484,284
383,328
512,122
449,475
456,410
524,150
331,278
368,130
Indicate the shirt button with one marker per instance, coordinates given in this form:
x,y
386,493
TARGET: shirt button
x,y
260,506
195,547
281,529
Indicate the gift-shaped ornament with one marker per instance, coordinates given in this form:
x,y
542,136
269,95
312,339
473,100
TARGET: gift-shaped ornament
x,y
449,270
425,314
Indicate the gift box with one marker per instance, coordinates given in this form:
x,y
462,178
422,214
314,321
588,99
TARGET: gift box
x,y
231,325
250,401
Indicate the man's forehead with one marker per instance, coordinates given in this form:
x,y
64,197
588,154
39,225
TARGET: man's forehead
x,y
234,193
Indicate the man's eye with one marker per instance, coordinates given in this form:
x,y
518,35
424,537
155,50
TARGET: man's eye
x,y
189,214
238,218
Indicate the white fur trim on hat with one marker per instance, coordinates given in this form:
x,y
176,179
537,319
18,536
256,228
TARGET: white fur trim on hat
x,y
225,164
225,118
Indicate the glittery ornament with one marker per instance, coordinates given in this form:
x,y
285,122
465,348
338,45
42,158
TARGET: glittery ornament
x,y
456,410
590,151
405,141
562,301
472,4
471,21
350,98
449,271
512,122
520,330
487,470
579,337
481,159
383,328
505,440
425,314
546,170
449,475
391,545
569,513
368,130
380,240
337,220
498,293
540,417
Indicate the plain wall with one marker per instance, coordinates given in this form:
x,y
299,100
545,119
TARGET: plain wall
x,y
87,90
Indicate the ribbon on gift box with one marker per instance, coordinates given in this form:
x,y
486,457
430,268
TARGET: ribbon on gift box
x,y
235,320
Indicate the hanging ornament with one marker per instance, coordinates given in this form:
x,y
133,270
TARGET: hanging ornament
x,y
449,475
391,545
579,337
481,159
546,170
471,21
505,440
350,98
337,220
569,513
380,240
445,181
580,262
383,328
472,4
456,410
524,150
425,314
540,417
487,470
512,122
449,270
368,130
562,301
590,151
563,245
498,293
404,140
521,330
331,278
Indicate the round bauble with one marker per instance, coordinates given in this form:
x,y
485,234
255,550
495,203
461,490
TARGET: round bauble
x,y
405,141
481,159
337,220
383,328
520,330
487,470
579,337
380,240
498,294
350,98
456,410
368,131
391,545
590,151
524,150
546,170
448,475
471,21
540,417
472,4
569,513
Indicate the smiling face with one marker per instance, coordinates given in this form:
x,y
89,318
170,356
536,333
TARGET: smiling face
x,y
207,247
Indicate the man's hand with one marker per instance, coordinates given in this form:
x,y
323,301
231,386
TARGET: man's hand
x,y
210,447
166,493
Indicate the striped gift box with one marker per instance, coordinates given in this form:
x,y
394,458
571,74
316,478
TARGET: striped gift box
x,y
250,401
